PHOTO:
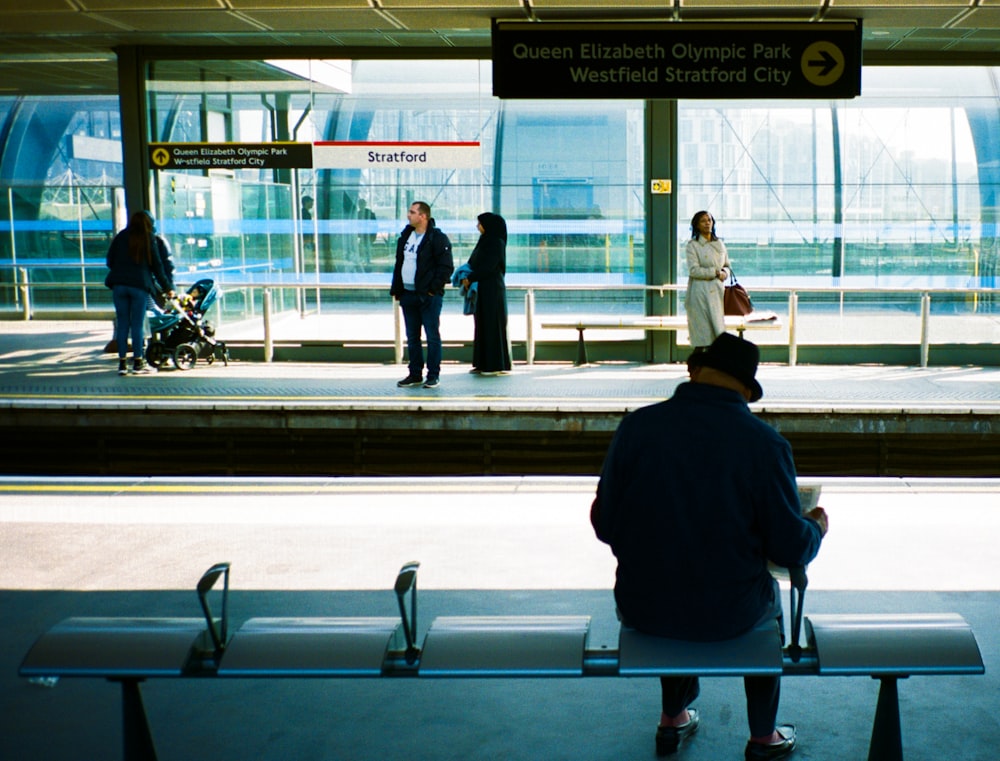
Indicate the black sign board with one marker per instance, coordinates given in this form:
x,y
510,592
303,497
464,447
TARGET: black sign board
x,y
677,60
230,155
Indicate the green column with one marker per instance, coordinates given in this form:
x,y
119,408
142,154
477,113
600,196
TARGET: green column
x,y
661,226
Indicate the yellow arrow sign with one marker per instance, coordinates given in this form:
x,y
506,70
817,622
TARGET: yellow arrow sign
x,y
822,63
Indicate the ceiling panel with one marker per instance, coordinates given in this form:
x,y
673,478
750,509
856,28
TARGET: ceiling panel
x,y
985,18
445,20
300,5
49,46
65,23
333,20
151,5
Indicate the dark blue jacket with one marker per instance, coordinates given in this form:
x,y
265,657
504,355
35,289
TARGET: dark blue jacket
x,y
122,270
434,262
695,496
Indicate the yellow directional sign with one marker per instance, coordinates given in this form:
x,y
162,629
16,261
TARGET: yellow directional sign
x,y
662,60
275,155
822,63
161,157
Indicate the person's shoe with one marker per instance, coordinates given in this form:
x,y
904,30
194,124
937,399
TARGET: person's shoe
x,y
759,752
668,739
491,373
139,367
432,383
122,367
410,381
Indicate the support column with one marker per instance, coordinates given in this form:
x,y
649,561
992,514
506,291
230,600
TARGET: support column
x,y
132,105
661,222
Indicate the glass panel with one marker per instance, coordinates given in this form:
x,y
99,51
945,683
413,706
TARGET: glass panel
x,y
884,191
568,177
61,171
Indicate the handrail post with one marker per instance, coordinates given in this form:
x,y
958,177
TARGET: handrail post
x,y
268,338
529,317
25,293
793,314
925,318
397,320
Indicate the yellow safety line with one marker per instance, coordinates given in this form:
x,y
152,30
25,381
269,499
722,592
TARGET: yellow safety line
x,y
428,400
391,486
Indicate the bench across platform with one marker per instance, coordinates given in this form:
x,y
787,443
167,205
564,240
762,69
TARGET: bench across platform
x,y
753,321
887,647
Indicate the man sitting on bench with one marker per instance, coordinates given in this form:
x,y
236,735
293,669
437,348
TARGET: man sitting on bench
x,y
695,496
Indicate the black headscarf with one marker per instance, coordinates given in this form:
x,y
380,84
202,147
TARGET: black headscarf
x,y
493,224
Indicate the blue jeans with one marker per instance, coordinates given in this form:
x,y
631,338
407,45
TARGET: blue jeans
x,y
130,318
422,311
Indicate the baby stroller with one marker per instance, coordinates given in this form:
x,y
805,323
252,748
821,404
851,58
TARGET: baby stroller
x,y
181,334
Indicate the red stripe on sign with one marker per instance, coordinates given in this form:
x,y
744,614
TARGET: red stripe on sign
x,y
378,142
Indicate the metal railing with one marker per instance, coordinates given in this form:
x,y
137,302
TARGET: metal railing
x,y
24,302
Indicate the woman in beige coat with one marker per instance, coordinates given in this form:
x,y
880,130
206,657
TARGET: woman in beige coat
x,y
708,269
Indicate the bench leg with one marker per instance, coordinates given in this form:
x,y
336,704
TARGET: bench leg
x,y
581,350
887,734
137,738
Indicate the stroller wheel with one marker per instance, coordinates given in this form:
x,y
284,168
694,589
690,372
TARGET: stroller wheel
x,y
185,356
222,352
156,353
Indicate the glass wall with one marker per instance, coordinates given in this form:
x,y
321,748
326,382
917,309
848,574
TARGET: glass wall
x,y
568,177
895,189
60,187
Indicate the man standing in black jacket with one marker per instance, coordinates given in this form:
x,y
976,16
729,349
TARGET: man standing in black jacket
x,y
423,267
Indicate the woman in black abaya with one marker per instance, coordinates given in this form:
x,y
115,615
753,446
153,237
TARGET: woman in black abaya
x,y
488,262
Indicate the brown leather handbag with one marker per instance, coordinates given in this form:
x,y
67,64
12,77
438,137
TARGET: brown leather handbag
x,y
736,301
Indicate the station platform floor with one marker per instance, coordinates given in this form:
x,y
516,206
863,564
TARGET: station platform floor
x,y
331,546
47,363
487,546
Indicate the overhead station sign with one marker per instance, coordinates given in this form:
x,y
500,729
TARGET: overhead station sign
x,y
347,154
230,155
677,60
330,154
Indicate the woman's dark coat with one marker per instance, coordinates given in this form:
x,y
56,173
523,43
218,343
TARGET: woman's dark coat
x,y
491,348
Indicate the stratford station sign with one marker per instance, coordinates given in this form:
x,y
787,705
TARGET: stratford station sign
x,y
677,60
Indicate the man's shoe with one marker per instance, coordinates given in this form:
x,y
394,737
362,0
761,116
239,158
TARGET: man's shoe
x,y
410,381
758,752
122,367
432,383
668,739
139,367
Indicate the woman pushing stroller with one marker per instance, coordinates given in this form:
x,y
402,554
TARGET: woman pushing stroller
x,y
135,272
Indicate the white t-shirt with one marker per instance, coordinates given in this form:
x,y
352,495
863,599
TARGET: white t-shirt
x,y
409,270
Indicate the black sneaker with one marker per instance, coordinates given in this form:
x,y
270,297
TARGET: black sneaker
x,y
411,380
122,367
432,383
139,367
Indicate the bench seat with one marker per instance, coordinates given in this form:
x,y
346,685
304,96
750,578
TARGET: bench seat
x,y
757,653
752,321
901,644
117,648
311,647
508,646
